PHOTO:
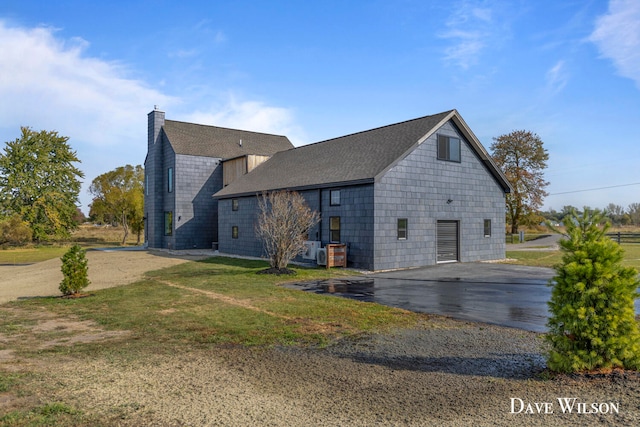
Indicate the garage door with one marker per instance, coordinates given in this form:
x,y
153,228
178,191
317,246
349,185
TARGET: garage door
x,y
447,241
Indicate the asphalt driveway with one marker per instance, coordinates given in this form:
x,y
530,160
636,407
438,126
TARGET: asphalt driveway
x,y
508,295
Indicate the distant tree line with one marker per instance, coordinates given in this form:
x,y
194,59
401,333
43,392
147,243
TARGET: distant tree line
x,y
616,214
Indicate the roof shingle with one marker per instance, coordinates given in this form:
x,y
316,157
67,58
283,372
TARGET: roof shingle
x,y
212,141
355,158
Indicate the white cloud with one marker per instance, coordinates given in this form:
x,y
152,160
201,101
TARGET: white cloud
x,y
50,83
617,35
250,115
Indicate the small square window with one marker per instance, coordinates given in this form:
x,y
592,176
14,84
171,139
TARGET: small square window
x,y
448,148
403,225
334,229
234,232
487,228
234,204
334,196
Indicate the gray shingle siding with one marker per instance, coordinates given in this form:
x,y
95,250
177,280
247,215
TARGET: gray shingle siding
x,y
196,212
418,187
194,153
355,211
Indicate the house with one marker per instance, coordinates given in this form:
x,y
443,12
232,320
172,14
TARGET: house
x,y
185,165
411,194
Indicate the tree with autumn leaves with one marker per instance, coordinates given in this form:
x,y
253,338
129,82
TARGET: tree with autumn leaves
x,y
522,157
119,197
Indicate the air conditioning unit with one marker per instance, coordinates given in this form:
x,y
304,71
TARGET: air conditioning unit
x,y
321,256
310,249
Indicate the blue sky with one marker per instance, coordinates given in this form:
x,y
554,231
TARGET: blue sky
x,y
566,70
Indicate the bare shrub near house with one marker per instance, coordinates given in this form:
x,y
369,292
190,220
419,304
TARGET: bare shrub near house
x,y
284,219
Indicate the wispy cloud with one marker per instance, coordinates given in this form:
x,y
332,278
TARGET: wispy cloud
x,y
557,78
51,83
470,29
617,35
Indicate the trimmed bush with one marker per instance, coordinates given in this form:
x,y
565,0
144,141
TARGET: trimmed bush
x,y
592,324
75,271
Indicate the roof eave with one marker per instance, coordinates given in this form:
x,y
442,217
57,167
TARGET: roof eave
x,y
491,166
297,188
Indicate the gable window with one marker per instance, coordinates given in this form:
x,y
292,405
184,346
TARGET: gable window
x,y
487,228
234,204
334,229
334,197
234,232
448,148
170,180
403,225
168,223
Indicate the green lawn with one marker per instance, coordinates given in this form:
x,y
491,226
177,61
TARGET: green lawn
x,y
31,255
550,258
226,302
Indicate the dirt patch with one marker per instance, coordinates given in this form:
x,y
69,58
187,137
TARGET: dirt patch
x,y
42,330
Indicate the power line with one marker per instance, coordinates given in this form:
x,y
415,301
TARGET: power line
x,y
594,189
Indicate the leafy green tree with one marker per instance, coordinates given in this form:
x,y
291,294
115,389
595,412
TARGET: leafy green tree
x,y
592,323
119,195
75,271
634,213
39,182
522,157
615,213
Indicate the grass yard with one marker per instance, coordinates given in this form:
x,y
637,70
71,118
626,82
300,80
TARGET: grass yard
x,y
550,258
204,304
87,236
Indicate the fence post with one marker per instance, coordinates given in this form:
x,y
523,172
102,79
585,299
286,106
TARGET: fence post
x,y
618,237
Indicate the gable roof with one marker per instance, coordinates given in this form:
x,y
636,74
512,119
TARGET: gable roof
x,y
357,158
212,141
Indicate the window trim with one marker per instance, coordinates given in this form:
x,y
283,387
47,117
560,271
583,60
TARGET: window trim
x,y
332,201
446,156
332,230
487,222
403,232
